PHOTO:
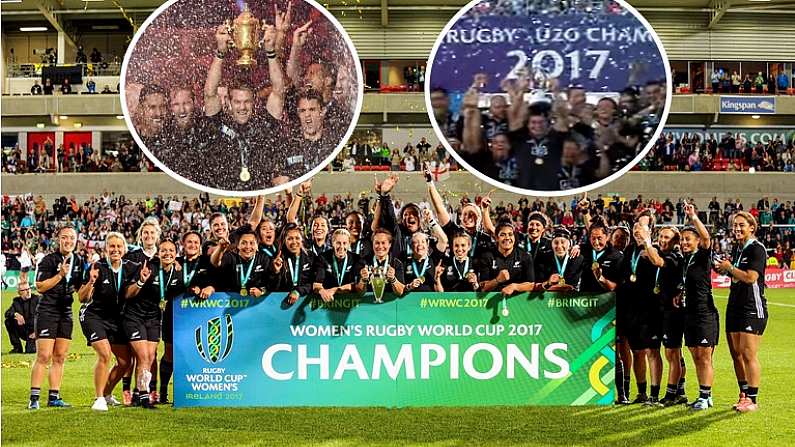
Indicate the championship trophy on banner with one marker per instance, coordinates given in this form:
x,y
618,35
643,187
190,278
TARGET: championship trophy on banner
x,y
378,283
245,31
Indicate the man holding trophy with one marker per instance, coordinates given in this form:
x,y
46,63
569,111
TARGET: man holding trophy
x,y
250,148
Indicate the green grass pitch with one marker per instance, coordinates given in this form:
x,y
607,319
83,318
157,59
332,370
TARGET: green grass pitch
x,y
554,426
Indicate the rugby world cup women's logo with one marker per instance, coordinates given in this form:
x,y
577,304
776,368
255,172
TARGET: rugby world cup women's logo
x,y
217,339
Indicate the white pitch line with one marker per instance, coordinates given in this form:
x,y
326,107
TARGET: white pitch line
x,y
769,302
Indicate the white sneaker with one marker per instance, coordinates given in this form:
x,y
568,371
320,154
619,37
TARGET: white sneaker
x,y
100,404
110,400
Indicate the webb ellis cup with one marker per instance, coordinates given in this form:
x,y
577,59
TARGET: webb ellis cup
x,y
245,31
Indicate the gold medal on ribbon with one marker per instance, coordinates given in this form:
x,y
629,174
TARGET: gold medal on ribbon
x,y
595,265
656,289
562,281
633,277
243,292
244,174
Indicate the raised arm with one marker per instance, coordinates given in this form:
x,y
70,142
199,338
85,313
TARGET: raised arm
x,y
282,22
472,134
485,211
585,205
436,200
517,112
256,214
299,39
703,233
212,102
386,214
436,230
275,104
304,190
642,236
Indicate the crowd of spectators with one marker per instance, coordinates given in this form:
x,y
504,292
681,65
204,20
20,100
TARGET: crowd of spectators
x,y
718,152
118,156
723,82
29,221
379,156
66,88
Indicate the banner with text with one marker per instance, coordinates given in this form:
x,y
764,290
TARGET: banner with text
x,y
775,278
748,104
753,135
601,52
427,349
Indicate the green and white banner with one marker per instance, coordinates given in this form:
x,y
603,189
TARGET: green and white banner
x,y
426,349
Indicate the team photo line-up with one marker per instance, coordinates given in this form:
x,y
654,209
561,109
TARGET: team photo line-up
x,y
661,275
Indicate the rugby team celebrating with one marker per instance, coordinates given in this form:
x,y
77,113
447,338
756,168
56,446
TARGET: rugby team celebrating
x,y
660,275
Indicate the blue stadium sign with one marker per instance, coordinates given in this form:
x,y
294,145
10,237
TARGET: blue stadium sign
x,y
756,105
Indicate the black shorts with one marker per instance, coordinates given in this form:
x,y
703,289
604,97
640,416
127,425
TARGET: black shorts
x,y
673,328
97,328
52,326
645,336
168,323
141,329
645,330
622,318
702,330
745,324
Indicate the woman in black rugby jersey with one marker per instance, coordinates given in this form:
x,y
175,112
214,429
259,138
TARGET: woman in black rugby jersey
x,y
337,270
59,275
293,266
701,316
100,317
746,312
158,281
194,268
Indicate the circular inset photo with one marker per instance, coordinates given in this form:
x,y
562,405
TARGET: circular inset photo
x,y
548,97
241,98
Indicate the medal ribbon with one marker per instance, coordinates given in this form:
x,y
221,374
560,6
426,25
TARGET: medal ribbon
x,y
596,255
244,279
562,268
740,255
687,267
424,268
635,259
657,277
377,264
117,284
466,268
295,269
474,245
187,273
71,266
340,273
163,286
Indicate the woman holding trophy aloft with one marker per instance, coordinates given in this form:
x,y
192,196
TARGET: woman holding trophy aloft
x,y
383,272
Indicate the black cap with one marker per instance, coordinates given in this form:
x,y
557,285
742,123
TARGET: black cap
x,y
535,215
561,232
